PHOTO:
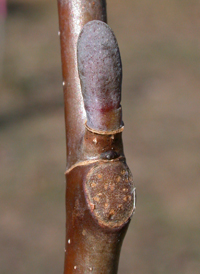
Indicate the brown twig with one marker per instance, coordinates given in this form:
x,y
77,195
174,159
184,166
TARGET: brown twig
x,y
100,195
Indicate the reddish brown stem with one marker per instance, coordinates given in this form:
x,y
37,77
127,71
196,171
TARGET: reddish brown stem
x,y
73,15
100,195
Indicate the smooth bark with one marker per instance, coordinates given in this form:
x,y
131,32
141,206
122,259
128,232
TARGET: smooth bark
x,y
100,195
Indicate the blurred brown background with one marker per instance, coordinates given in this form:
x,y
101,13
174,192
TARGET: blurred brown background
x,y
160,49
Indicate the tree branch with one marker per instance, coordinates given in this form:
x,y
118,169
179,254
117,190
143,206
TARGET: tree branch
x,y
100,194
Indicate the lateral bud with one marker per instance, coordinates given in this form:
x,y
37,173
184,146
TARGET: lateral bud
x,y
100,72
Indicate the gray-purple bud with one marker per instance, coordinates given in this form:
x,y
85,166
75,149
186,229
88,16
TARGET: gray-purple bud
x,y
100,72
